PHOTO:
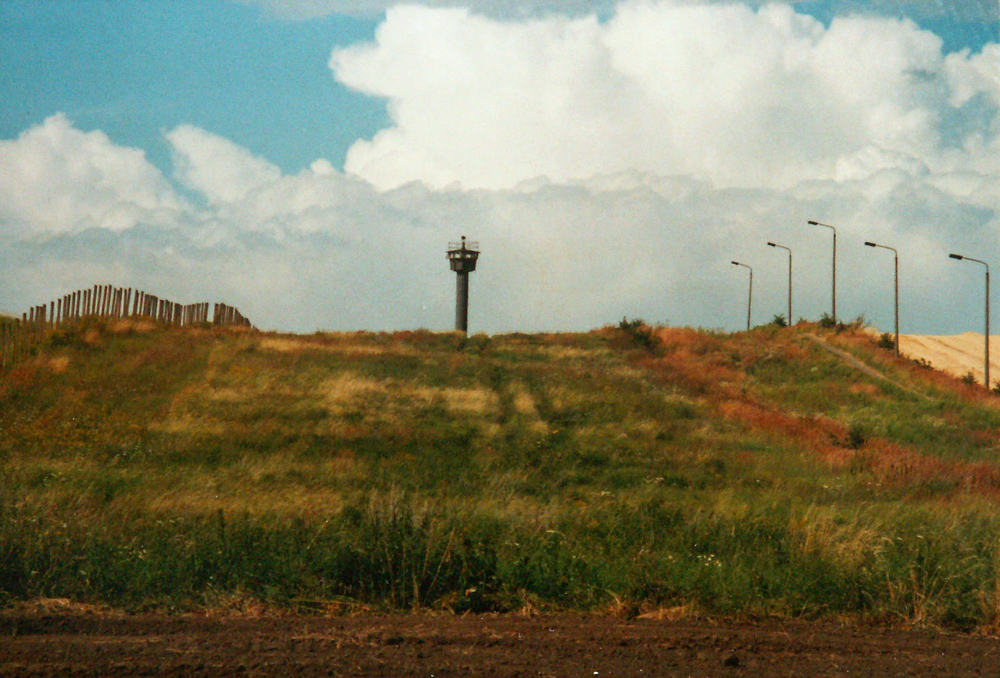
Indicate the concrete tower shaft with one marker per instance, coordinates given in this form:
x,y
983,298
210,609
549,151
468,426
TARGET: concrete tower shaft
x,y
463,257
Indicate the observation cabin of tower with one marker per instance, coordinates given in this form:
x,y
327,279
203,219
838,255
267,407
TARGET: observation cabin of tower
x,y
463,256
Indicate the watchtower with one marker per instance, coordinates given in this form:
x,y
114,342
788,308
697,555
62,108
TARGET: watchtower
x,y
463,257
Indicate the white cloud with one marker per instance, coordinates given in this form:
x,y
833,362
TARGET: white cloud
x,y
607,168
322,250
216,167
55,178
301,10
721,92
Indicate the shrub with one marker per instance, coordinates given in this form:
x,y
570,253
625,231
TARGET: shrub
x,y
886,341
638,332
857,435
779,320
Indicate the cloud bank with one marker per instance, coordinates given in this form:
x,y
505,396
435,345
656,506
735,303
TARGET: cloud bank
x,y
607,168
723,93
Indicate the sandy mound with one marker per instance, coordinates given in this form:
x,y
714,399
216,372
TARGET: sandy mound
x,y
957,354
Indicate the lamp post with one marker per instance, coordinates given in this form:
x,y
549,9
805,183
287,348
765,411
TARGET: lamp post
x,y
895,255
771,244
833,295
750,295
986,369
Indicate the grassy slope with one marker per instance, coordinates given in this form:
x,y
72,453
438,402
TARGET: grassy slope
x,y
754,473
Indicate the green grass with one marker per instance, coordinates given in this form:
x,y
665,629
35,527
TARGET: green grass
x,y
746,474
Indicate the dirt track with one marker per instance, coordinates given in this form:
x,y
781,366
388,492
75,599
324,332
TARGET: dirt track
x,y
509,645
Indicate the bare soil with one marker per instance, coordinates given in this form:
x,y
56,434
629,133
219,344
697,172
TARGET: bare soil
x,y
41,643
957,354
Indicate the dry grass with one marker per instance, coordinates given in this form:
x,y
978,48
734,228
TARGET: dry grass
x,y
850,541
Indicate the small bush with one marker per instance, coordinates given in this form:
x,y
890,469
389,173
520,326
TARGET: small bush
x,y
632,325
886,341
638,332
827,321
779,320
857,435
969,379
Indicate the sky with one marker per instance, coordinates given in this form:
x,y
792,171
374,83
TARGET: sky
x,y
309,161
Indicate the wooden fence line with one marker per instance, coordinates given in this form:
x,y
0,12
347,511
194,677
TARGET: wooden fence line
x,y
19,337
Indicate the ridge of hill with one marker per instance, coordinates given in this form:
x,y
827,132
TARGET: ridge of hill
x,y
627,469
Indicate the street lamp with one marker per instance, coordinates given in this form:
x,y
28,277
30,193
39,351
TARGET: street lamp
x,y
833,296
895,255
771,244
750,295
986,369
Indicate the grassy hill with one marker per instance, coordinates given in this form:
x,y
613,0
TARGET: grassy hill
x,y
796,471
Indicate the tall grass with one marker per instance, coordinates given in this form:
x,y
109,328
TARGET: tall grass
x,y
744,474
395,552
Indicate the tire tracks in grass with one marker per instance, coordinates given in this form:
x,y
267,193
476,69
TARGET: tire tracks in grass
x,y
862,366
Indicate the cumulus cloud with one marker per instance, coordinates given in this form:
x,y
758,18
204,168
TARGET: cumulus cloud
x,y
322,250
216,167
55,177
301,10
721,92
607,167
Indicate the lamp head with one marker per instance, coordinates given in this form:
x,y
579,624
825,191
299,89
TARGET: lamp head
x,y
956,256
771,244
869,243
814,223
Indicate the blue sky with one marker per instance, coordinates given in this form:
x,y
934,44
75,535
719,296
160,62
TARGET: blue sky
x,y
308,160
135,68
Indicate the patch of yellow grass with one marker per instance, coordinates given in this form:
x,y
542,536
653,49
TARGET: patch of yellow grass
x,y
346,387
349,388
284,344
524,404
229,395
188,424
344,344
59,365
846,542
456,400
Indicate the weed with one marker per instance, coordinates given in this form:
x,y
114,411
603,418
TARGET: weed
x,y
857,435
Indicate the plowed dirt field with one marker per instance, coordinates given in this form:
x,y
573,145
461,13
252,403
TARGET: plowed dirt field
x,y
439,646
